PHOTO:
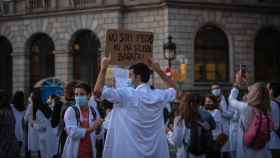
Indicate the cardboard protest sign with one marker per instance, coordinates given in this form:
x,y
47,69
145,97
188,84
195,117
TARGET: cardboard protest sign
x,y
128,47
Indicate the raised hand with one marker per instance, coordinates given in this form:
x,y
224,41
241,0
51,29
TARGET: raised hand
x,y
239,78
105,62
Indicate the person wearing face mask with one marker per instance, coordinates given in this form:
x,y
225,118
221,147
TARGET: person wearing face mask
x,y
227,114
211,105
80,142
136,128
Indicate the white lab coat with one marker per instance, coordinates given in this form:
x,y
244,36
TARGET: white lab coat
x,y
227,113
33,136
177,137
245,117
136,129
75,133
233,129
48,141
18,127
274,139
216,114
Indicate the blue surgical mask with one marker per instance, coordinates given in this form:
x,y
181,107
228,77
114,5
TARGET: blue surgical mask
x,y
130,83
216,92
81,100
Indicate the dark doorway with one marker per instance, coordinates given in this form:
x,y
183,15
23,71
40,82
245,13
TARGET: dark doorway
x,y
6,68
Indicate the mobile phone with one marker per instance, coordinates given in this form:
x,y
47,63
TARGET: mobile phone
x,y
243,70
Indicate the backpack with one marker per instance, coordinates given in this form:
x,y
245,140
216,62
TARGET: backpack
x,y
201,140
258,132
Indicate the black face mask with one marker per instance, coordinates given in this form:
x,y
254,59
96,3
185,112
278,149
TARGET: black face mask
x,y
210,106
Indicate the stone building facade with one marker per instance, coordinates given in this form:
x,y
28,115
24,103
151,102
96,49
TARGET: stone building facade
x,y
66,38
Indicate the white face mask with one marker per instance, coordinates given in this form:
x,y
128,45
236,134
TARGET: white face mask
x,y
130,83
216,92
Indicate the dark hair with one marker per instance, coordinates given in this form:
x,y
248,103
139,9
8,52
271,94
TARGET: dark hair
x,y
213,98
18,101
215,83
275,87
84,86
188,108
38,104
4,99
106,104
69,91
142,70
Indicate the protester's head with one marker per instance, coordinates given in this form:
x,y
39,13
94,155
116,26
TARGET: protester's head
x,y
139,73
82,94
18,101
4,99
188,107
273,89
216,89
69,89
210,102
258,97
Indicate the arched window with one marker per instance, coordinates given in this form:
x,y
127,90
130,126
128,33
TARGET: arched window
x,y
6,69
267,55
211,55
85,47
42,65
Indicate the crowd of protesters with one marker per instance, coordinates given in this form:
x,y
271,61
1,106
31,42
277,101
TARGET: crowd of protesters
x,y
131,121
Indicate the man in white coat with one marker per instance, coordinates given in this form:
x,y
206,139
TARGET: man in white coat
x,y
227,114
136,128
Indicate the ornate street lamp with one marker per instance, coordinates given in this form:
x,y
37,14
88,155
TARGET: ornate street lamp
x,y
169,51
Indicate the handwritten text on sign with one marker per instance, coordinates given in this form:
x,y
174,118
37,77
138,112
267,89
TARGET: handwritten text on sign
x,y
128,47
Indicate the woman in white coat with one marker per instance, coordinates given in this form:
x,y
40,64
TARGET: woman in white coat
x,y
18,108
41,114
80,142
227,114
189,112
258,98
32,137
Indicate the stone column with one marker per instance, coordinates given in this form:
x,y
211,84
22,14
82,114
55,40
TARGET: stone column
x,y
63,65
21,71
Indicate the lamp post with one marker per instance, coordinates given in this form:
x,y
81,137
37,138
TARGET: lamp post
x,y
169,51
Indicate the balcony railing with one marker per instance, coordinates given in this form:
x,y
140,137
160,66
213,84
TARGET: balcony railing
x,y
82,3
35,4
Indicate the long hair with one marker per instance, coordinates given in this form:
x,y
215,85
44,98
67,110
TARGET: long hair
x,y
18,101
258,97
188,107
38,104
